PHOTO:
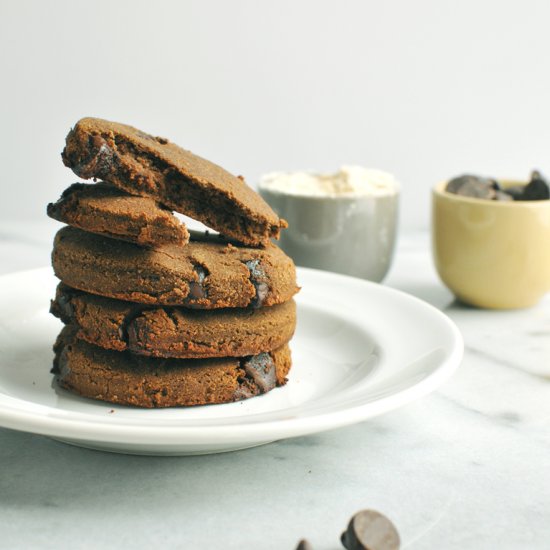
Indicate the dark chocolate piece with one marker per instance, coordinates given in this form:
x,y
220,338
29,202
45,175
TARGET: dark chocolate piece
x,y
537,189
258,279
473,186
370,530
98,161
304,545
197,290
259,376
261,369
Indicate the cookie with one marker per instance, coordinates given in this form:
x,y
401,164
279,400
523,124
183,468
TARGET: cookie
x,y
203,275
174,332
128,379
150,166
106,210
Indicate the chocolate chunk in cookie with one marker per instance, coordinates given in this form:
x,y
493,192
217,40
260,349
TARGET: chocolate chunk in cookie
x,y
370,530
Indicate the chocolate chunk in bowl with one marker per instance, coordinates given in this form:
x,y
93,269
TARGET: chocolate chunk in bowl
x,y
478,187
537,189
473,186
493,253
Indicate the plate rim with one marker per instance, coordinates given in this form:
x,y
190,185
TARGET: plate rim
x,y
90,430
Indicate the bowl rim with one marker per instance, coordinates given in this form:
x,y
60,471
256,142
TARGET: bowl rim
x,y
439,190
353,196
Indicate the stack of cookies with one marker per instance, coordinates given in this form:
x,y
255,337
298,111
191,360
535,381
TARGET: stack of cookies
x,y
156,315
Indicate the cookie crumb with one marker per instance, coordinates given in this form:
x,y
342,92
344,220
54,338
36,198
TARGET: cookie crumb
x,y
228,249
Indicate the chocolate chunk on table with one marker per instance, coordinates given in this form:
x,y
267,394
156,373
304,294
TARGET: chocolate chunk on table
x,y
370,530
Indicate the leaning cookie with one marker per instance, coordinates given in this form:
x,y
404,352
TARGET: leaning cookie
x,y
127,379
104,209
171,331
150,166
202,275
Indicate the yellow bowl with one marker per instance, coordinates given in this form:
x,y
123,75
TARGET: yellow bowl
x,y
492,254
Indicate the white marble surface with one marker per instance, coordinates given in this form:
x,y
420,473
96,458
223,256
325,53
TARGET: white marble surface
x,y
467,467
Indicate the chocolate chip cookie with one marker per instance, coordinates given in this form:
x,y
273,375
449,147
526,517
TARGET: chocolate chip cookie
x,y
128,379
106,210
202,275
171,331
150,166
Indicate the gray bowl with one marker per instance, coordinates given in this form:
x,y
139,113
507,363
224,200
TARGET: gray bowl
x,y
351,235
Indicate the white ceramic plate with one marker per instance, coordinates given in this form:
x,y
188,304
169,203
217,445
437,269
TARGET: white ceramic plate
x,y
360,350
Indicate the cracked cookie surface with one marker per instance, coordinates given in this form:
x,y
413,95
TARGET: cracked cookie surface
x,y
200,275
128,379
145,165
172,331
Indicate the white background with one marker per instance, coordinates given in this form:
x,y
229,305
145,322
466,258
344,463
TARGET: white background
x,y
424,89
